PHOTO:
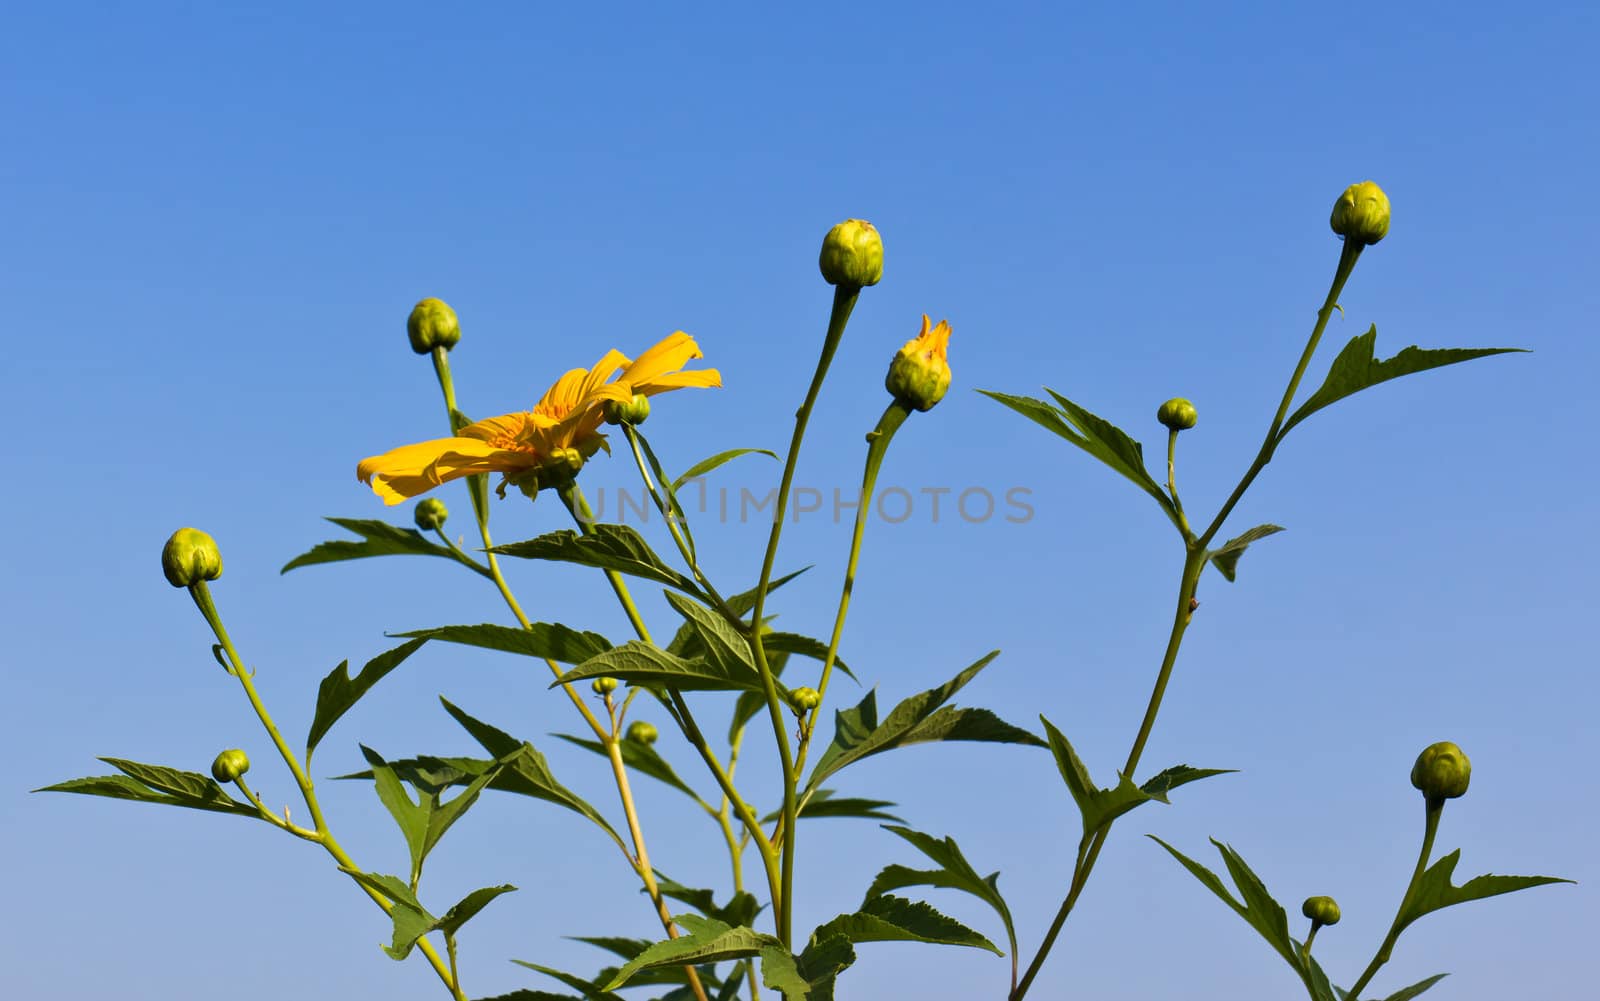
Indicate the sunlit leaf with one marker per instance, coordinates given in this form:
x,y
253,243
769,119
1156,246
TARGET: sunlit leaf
x,y
339,692
706,465
608,547
378,538
541,639
1226,557
954,873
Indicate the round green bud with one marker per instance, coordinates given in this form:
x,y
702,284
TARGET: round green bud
x,y
804,699
190,557
1177,414
230,765
852,254
1322,910
1361,213
432,324
636,411
604,686
1442,771
430,514
641,732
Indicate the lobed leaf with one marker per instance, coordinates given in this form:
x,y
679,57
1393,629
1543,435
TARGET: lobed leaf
x,y
545,640
954,872
642,758
640,663
378,538
126,787
895,919
191,789
708,941
339,692
1226,557
608,547
1435,891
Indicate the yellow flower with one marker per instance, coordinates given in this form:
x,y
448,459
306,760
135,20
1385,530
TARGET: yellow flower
x,y
919,376
555,437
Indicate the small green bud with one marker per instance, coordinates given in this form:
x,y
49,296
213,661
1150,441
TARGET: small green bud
x,y
852,254
230,765
430,514
190,557
636,411
432,324
641,732
1177,414
1321,910
919,375
1361,213
1442,771
804,699
604,686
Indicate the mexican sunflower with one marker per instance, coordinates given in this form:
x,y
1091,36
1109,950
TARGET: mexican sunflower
x,y
554,438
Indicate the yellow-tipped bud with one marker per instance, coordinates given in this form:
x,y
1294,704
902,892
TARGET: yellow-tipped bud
x,y
635,411
804,699
1361,213
1321,910
604,686
852,254
189,557
432,324
1177,414
430,514
919,376
229,765
1442,772
641,732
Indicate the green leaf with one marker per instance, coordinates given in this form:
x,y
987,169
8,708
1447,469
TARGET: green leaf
x,y
378,538
409,815
640,663
708,941
627,948
1226,557
705,466
469,906
1169,779
822,962
751,703
609,547
1407,993
125,787
1100,807
191,789
411,919
954,873
895,919
918,719
1355,369
1259,910
642,758
338,691
805,646
822,803
541,639
719,643
741,908
527,995
590,990
781,972
1435,891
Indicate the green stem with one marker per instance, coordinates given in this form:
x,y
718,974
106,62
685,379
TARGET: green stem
x,y
669,514
1435,809
461,557
1172,485
844,300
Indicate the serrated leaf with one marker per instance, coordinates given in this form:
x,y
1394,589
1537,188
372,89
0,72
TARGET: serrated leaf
x,y
378,538
1435,890
954,873
608,547
640,663
918,719
641,757
822,962
468,907
719,643
895,919
1097,806
805,646
627,948
1168,779
590,990
706,465
125,787
749,704
541,639
1356,369
339,692
409,815
781,972
1407,993
411,919
1226,557
709,941
823,803
191,789
1256,905
740,909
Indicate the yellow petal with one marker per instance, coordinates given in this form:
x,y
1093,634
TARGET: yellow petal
x,y
708,378
410,470
667,355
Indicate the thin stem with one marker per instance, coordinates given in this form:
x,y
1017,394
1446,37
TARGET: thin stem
x,y
1311,936
844,300
461,557
1172,484
1435,809
669,515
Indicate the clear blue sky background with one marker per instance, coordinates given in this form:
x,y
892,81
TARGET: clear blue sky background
x,y
216,220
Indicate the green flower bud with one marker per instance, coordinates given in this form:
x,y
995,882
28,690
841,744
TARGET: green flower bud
x,y
804,699
919,376
1321,910
1442,771
190,557
430,514
636,411
1361,213
852,254
1177,414
641,732
604,686
230,765
432,324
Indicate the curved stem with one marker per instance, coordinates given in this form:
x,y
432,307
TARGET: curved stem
x,y
1172,485
1430,828
844,301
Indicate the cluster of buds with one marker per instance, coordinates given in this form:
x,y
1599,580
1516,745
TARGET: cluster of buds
x,y
558,469
804,700
603,686
432,324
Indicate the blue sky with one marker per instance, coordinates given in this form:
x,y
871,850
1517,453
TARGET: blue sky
x,y
217,220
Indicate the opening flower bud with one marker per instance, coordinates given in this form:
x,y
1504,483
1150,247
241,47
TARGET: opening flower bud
x,y
852,254
430,514
804,699
190,557
604,686
636,411
1442,771
1321,910
432,324
1177,414
1361,213
230,765
919,376
641,732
